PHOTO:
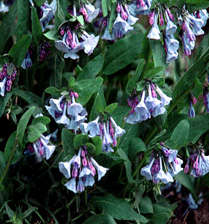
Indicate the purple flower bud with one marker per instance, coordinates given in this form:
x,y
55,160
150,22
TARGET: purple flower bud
x,y
118,8
186,168
191,112
84,161
170,14
151,18
75,172
161,19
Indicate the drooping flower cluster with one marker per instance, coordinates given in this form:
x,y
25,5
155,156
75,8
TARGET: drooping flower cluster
x,y
42,148
190,24
47,14
66,111
140,7
8,75
122,24
74,37
148,106
81,170
197,164
108,131
163,166
44,51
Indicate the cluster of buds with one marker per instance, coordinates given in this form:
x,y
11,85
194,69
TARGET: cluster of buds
x,y
197,164
148,106
81,170
7,76
191,25
192,101
44,51
66,111
107,130
163,165
75,39
42,148
122,24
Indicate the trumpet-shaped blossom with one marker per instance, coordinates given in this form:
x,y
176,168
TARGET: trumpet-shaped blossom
x,y
165,100
171,46
154,32
89,42
142,109
151,102
93,128
203,14
197,25
89,12
67,112
120,27
170,26
81,170
27,62
130,19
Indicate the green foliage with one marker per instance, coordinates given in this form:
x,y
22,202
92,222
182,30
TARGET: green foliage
x,y
100,219
80,140
92,68
23,124
135,78
117,208
122,53
19,50
36,26
86,88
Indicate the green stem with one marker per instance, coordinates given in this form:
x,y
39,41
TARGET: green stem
x,y
140,164
122,126
52,165
26,79
86,197
9,162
